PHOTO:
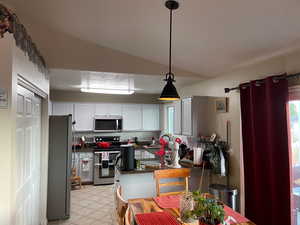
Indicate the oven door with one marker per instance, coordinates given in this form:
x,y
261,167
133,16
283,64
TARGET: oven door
x,y
104,167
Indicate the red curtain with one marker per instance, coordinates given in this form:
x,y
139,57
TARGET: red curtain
x,y
265,150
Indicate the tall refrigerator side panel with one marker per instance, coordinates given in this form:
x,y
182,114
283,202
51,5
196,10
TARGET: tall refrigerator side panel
x,y
59,171
69,166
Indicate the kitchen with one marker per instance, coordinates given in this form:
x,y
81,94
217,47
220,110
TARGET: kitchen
x,y
102,101
100,130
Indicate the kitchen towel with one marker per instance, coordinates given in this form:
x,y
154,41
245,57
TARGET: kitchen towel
x,y
156,218
168,201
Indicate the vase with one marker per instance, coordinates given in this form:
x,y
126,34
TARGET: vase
x,y
186,205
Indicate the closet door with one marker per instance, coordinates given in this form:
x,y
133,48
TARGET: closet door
x,y
28,158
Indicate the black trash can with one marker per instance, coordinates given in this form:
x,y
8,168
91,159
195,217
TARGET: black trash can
x,y
226,194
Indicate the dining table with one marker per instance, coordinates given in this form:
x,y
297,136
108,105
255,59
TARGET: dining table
x,y
148,205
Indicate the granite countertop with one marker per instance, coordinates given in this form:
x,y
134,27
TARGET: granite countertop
x,y
151,170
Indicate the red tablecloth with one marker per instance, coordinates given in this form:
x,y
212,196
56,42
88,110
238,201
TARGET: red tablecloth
x,y
156,218
173,201
168,201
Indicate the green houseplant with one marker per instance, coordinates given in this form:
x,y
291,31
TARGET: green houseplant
x,y
207,211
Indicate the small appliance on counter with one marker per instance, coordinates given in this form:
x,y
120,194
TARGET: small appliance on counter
x,y
125,160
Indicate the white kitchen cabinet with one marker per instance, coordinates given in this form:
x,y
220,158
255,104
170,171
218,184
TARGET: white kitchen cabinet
x,y
132,117
84,116
187,116
150,114
177,117
62,108
108,109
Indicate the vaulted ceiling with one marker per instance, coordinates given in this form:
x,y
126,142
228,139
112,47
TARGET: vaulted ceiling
x,y
210,36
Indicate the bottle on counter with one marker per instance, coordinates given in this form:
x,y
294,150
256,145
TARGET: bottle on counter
x,y
153,141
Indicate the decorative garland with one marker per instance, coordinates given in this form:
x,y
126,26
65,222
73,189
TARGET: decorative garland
x,y
10,23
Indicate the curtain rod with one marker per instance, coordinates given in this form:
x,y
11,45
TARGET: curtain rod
x,y
277,77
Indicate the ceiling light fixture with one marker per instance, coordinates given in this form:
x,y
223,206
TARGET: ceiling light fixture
x,y
169,92
108,91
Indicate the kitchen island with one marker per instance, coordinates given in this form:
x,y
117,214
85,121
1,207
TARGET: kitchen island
x,y
141,183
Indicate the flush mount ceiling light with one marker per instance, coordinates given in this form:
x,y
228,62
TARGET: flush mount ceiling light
x,y
169,92
107,83
107,91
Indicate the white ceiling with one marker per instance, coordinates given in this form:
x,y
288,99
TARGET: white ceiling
x,y
75,80
210,36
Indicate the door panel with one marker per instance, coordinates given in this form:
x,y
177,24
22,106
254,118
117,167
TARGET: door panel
x,y
132,117
28,158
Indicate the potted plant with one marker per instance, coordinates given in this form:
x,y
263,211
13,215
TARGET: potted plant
x,y
207,211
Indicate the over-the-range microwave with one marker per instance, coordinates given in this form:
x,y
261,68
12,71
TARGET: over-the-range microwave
x,y
108,123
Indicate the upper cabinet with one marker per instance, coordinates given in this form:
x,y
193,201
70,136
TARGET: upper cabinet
x,y
132,117
150,115
108,109
186,122
62,108
136,117
191,116
177,117
84,116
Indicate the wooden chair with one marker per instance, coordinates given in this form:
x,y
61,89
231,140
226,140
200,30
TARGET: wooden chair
x,y
172,173
128,217
121,206
75,180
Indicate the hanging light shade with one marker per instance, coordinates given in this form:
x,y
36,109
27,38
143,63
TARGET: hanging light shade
x,y
169,92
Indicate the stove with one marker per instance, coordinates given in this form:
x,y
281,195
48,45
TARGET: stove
x,y
105,159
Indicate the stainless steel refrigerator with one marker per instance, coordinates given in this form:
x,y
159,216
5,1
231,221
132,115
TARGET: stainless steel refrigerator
x,y
59,167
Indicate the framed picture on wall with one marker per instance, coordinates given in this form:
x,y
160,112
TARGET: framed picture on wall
x,y
221,105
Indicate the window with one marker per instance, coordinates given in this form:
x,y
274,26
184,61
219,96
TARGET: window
x,y
294,135
171,114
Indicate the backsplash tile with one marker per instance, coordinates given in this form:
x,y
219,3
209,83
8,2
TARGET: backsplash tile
x,y
125,135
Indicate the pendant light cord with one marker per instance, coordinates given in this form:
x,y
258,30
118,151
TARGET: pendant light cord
x,y
170,47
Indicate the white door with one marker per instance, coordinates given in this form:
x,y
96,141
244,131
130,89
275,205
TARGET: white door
x,y
132,116
151,117
28,158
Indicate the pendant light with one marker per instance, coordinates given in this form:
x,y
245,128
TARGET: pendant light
x,y
169,92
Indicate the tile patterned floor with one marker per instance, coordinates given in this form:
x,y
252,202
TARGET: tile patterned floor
x,y
92,205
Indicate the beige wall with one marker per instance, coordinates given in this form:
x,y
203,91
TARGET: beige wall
x,y
13,62
76,96
215,87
